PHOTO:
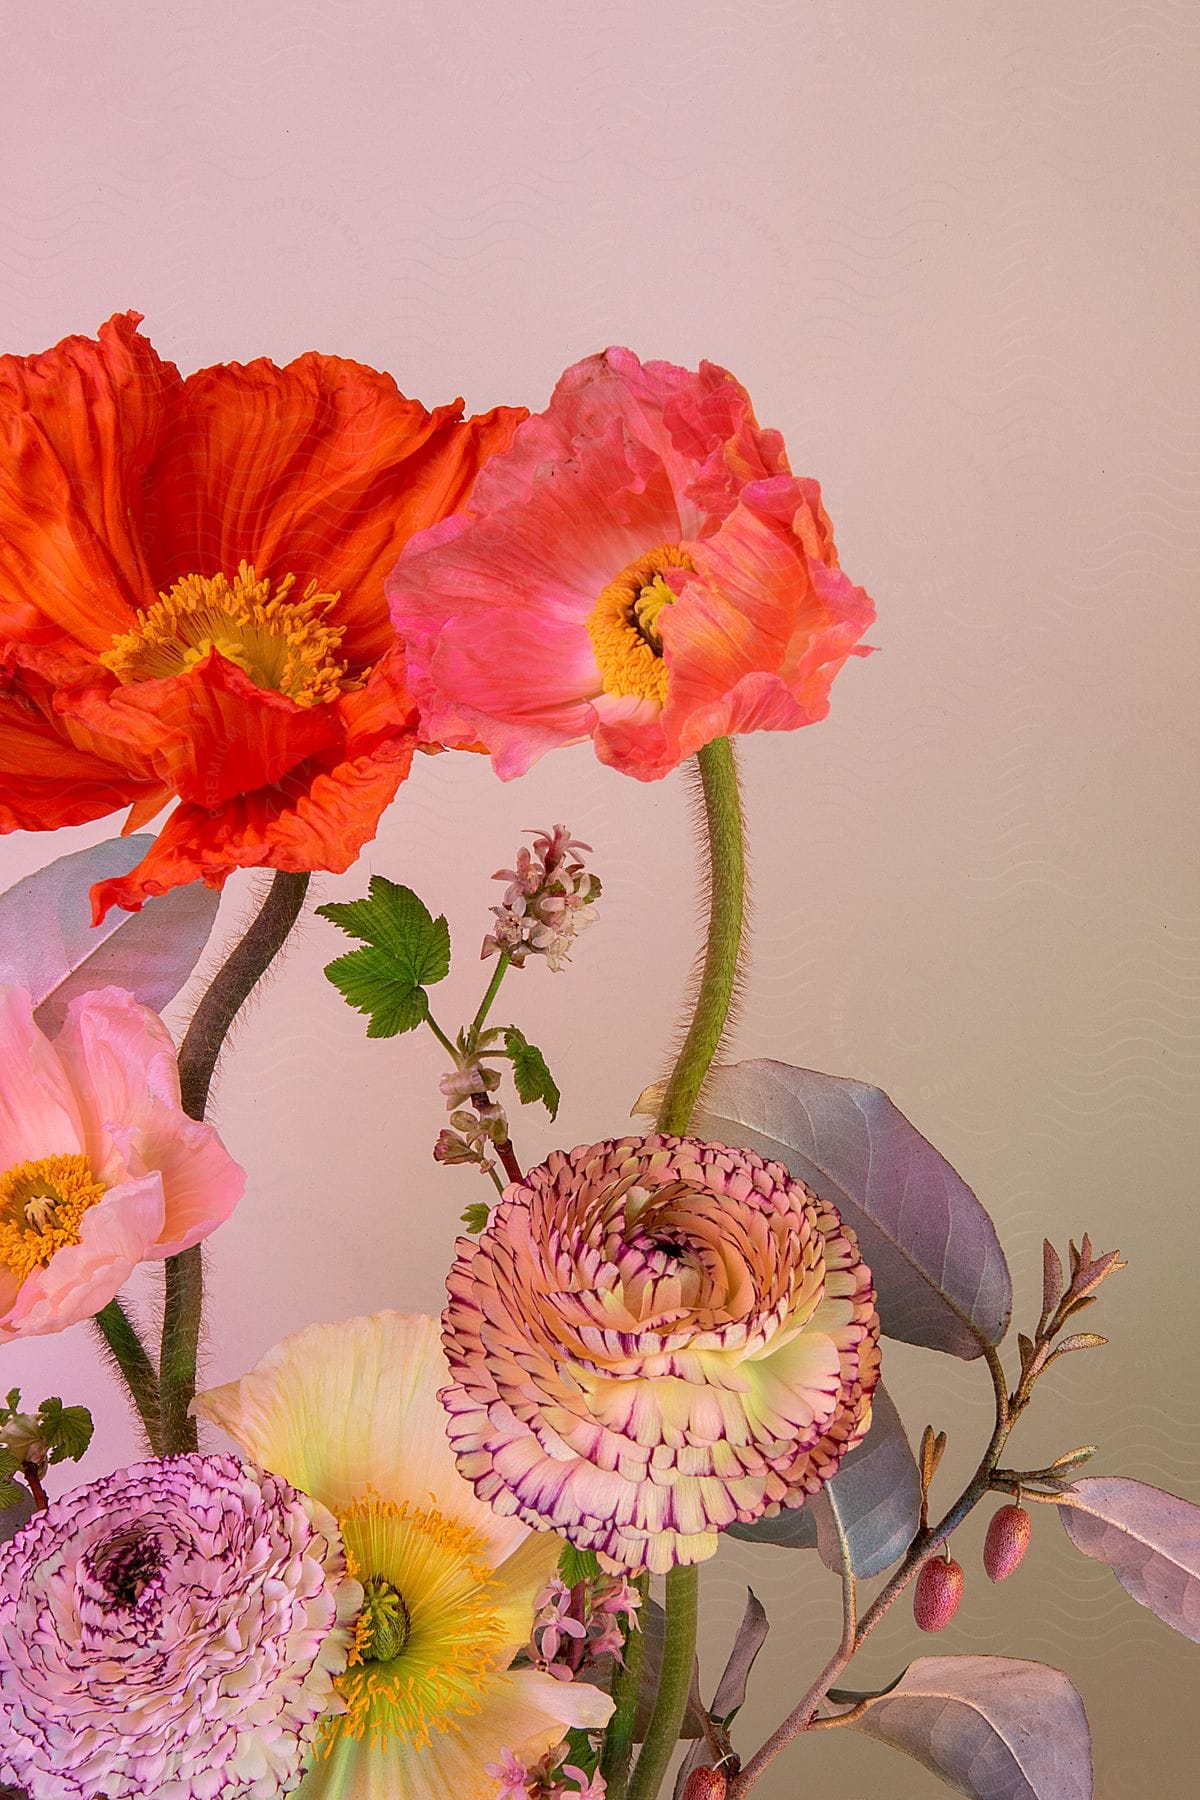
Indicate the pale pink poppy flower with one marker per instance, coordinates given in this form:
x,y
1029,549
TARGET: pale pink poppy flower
x,y
100,1167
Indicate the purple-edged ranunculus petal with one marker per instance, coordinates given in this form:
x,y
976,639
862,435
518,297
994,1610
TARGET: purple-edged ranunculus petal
x,y
171,1630
655,1338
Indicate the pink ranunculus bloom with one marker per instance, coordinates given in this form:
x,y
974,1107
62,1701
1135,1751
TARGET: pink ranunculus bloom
x,y
640,567
174,1630
100,1167
653,1339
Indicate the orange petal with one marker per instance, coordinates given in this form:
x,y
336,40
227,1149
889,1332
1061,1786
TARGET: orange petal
x,y
318,817
321,469
79,425
46,780
210,733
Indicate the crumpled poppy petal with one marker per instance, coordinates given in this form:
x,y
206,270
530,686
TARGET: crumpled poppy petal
x,y
79,426
320,469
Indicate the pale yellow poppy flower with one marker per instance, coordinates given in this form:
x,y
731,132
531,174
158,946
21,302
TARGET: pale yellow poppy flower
x,y
349,1414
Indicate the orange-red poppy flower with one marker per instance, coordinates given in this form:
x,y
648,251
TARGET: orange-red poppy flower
x,y
191,598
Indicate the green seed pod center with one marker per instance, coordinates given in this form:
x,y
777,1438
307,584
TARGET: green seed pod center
x,y
386,1619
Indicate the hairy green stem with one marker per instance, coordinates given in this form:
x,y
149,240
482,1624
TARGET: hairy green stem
x,y
726,863
183,1301
125,1349
674,1682
618,1739
726,916
485,1005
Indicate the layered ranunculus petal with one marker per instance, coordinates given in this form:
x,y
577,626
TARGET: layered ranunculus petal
x,y
652,1339
173,1629
640,567
100,1168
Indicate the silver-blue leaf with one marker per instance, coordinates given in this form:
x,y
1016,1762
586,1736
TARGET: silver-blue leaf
x,y
49,945
940,1275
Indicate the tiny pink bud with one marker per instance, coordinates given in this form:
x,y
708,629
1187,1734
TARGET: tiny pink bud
x,y
1006,1542
939,1590
705,1784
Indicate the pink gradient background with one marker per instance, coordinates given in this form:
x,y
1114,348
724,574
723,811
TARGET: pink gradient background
x,y
953,252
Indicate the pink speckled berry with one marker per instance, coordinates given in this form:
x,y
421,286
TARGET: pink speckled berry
x,y
939,1590
1006,1542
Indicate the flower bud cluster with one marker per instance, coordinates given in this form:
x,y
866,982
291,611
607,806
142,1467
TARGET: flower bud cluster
x,y
574,1627
552,1778
22,1436
478,1120
548,901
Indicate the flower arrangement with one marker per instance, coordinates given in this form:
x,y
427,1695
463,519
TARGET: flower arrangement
x,y
459,1559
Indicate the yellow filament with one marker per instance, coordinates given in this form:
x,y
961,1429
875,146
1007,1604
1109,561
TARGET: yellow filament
x,y
41,1206
282,644
623,625
454,1631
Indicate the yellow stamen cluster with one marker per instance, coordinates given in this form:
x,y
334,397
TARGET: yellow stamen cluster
x,y
282,644
41,1206
434,1567
623,625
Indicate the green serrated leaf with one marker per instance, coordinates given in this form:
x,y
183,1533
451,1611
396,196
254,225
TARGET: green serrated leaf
x,y
367,980
404,951
11,1492
581,1752
475,1217
395,920
67,1429
12,1400
530,1072
577,1565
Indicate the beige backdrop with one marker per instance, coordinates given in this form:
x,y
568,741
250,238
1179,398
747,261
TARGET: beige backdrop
x,y
953,252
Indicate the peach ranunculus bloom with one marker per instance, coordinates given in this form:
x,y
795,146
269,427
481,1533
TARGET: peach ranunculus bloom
x,y
653,1339
100,1167
640,567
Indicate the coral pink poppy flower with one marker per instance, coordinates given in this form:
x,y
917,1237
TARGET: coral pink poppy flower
x,y
100,1167
191,598
640,567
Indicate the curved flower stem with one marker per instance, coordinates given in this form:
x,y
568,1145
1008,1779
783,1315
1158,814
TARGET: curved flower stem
x,y
123,1345
726,918
924,1545
726,868
184,1294
41,1499
441,1037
